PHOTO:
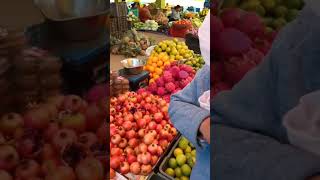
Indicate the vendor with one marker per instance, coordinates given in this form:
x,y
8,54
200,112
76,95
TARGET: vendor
x,y
161,18
144,14
176,13
135,8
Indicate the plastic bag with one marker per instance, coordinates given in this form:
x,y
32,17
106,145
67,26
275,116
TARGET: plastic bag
x,y
204,100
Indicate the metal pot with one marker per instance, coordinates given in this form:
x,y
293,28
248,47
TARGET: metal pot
x,y
75,20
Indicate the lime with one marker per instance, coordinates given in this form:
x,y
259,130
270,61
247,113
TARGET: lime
x,y
170,172
268,4
186,170
184,178
267,21
177,152
188,155
292,14
194,153
168,50
172,163
190,162
183,144
260,10
293,4
188,150
181,159
178,172
280,11
177,178
279,23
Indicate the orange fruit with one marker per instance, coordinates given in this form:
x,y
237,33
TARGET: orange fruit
x,y
156,76
154,59
159,63
151,69
158,71
165,58
167,63
154,65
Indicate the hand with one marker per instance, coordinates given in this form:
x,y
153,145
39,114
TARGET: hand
x,y
205,129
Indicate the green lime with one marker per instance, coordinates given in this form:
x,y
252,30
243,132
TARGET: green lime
x,y
188,150
186,170
178,172
292,14
188,155
172,163
184,178
183,144
177,178
190,162
170,172
194,153
181,159
280,11
293,4
260,10
279,23
268,4
177,152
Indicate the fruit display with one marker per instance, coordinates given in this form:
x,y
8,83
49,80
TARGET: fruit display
x,y
275,13
182,24
181,161
241,43
140,132
132,44
174,78
62,138
132,18
164,53
196,61
204,12
196,22
150,25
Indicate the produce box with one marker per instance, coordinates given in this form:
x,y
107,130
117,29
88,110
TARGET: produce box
x,y
185,167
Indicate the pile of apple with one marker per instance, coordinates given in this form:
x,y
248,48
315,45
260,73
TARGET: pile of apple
x,y
174,78
62,139
140,132
241,42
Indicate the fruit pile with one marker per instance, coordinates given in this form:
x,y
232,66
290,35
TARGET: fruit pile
x,y
204,12
196,62
150,25
275,13
174,78
183,159
132,44
165,53
140,132
241,43
63,138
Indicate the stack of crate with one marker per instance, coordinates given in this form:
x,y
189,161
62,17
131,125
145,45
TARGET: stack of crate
x,y
118,19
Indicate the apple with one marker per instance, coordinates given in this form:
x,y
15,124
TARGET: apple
x,y
135,168
10,122
75,121
146,169
87,140
145,158
123,143
131,158
116,139
152,148
90,168
124,168
74,104
115,162
63,138
61,173
27,169
94,117
4,175
133,142
9,157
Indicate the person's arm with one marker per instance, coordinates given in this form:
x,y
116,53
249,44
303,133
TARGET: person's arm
x,y
240,154
184,110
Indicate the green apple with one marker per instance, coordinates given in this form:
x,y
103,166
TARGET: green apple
x,y
181,159
172,163
178,172
177,151
186,170
170,172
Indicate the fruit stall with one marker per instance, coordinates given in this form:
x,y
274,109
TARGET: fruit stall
x,y
53,125
245,31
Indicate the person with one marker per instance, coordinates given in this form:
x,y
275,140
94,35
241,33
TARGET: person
x,y
161,18
176,13
135,8
191,119
144,14
248,136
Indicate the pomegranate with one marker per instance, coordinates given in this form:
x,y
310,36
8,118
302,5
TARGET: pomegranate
x,y
133,142
94,117
131,158
128,151
61,173
27,169
9,157
102,133
135,168
145,158
123,143
141,123
115,152
127,125
158,117
49,165
163,143
160,151
148,138
72,154
75,121
130,134
87,139
112,173
37,118
137,115
154,160
152,148
152,125
90,169
53,127
143,148
115,162
146,169
116,139
10,122
231,16
63,138
121,131
124,168
74,104
29,145
56,100
141,132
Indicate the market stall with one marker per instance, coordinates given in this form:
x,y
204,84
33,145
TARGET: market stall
x,y
149,61
53,108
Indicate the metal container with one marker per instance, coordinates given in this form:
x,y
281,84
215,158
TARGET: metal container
x,y
133,65
75,20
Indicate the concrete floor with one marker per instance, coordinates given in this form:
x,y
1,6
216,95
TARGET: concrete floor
x,y
115,59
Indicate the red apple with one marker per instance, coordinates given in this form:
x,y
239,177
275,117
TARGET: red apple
x,y
90,168
10,122
27,169
135,168
9,157
124,168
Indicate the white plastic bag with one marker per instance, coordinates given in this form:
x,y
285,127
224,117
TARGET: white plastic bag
x,y
204,39
204,100
303,123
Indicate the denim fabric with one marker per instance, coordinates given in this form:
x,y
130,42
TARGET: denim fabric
x,y
186,115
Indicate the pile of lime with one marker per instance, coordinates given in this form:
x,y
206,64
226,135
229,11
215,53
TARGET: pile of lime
x,y
182,160
196,62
